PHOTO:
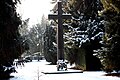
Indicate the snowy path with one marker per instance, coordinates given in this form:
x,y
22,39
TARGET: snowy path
x,y
32,71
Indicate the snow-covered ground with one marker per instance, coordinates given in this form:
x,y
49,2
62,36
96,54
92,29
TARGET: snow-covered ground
x,y
33,71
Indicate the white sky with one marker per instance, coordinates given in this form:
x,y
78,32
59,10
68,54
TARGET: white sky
x,y
34,9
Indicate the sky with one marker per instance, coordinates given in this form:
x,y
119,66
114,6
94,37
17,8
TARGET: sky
x,y
34,9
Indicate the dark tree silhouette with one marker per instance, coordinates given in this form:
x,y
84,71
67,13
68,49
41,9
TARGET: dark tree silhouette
x,y
110,53
11,45
50,50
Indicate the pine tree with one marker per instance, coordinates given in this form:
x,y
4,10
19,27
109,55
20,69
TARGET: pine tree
x,y
50,50
110,52
11,45
84,32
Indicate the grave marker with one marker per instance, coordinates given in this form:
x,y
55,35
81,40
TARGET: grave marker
x,y
60,42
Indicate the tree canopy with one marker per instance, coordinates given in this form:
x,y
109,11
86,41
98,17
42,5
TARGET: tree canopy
x,y
93,30
11,44
110,52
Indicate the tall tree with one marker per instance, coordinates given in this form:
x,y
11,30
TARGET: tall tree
x,y
36,36
23,30
110,53
50,50
84,33
11,46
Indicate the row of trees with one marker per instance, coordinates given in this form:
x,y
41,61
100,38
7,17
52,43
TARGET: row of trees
x,y
34,37
40,38
96,29
93,31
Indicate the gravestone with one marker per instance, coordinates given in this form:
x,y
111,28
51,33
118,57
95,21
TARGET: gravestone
x,y
60,42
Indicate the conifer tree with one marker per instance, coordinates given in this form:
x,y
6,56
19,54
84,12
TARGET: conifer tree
x,y
11,45
85,32
50,50
110,52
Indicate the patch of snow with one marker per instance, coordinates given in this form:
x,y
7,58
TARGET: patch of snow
x,y
32,71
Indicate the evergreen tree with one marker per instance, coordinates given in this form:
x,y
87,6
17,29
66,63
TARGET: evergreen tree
x,y
11,46
50,50
85,32
34,39
110,52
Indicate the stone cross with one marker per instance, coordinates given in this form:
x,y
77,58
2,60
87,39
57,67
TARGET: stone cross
x,y
60,42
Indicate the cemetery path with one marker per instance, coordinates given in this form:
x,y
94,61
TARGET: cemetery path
x,y
33,71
